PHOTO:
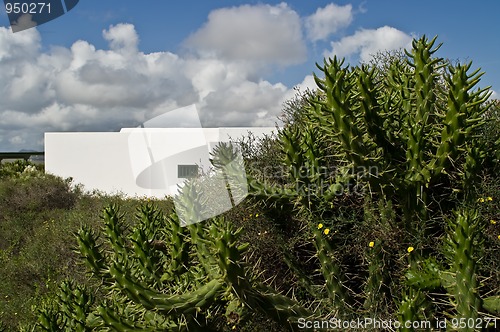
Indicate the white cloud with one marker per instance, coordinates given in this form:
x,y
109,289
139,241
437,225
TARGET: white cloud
x,y
82,88
307,84
122,37
367,42
24,46
239,104
328,20
271,34
17,140
494,95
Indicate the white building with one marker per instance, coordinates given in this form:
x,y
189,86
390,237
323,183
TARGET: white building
x,y
136,161
154,161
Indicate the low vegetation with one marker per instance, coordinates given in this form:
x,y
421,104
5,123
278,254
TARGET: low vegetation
x,y
39,215
378,198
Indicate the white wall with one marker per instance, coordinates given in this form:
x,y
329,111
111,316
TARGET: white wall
x,y
135,162
96,160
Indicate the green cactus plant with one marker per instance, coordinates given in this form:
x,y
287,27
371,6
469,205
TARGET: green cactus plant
x,y
460,279
70,310
412,305
407,138
414,131
462,240
377,278
137,271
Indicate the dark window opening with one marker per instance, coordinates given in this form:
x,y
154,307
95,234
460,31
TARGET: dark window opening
x,y
187,171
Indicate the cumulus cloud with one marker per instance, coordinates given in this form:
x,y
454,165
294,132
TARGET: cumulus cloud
x,y
24,46
262,33
244,102
122,37
307,84
328,20
367,42
82,88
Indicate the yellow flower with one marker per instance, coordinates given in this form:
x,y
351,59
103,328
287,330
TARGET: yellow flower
x,y
499,237
320,226
490,198
371,244
493,222
481,200
326,231
256,215
410,249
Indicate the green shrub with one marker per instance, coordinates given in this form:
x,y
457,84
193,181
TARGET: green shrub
x,y
405,236
17,168
422,134
36,193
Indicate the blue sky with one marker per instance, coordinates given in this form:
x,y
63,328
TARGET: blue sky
x,y
116,63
